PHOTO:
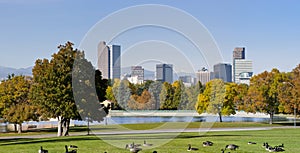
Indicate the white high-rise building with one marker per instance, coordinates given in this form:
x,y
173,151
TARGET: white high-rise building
x,y
109,60
242,67
203,76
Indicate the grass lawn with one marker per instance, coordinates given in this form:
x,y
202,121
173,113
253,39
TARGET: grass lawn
x,y
162,142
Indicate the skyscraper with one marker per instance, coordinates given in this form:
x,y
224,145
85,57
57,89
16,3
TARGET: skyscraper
x,y
203,76
223,71
139,72
240,64
109,60
164,73
239,53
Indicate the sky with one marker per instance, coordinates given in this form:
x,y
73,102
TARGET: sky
x,y
269,30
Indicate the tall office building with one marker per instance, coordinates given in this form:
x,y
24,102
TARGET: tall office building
x,y
203,76
138,71
109,60
223,71
164,73
241,65
239,53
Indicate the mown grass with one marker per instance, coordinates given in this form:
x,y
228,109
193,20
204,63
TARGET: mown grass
x,y
163,142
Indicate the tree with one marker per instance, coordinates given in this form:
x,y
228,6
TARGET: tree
x,y
52,88
212,100
121,92
289,94
15,105
166,97
263,93
180,98
155,89
89,90
231,93
240,98
192,94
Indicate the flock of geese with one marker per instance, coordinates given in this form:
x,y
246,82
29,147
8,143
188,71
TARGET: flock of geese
x,y
278,148
70,149
135,148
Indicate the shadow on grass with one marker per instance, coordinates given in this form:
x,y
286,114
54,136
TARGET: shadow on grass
x,y
14,141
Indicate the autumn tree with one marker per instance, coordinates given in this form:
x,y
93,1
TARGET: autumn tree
x,y
289,94
240,98
15,104
263,93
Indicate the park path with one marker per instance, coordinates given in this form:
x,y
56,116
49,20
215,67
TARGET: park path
x,y
144,132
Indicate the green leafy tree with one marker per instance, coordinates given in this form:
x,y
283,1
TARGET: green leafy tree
x,y
166,97
231,93
217,98
121,92
15,104
155,89
192,94
89,90
52,88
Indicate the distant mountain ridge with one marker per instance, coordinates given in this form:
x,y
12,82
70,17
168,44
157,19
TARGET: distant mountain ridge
x,y
5,71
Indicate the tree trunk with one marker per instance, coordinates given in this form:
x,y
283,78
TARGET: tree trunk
x,y
20,128
88,125
271,118
66,126
16,128
220,117
59,126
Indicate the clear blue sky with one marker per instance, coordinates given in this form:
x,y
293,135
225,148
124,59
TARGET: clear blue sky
x,y
269,29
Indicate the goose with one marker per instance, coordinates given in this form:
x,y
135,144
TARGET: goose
x,y
231,147
72,151
191,149
281,146
154,152
251,142
135,149
207,143
147,144
73,147
42,150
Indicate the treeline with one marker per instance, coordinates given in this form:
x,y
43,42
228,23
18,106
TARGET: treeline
x,y
269,92
153,95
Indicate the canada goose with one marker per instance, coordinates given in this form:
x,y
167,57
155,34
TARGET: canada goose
x,y
251,142
135,149
231,147
42,150
147,144
154,152
207,143
73,147
67,151
282,145
191,149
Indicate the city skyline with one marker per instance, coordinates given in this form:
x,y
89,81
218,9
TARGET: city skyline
x,y
35,29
